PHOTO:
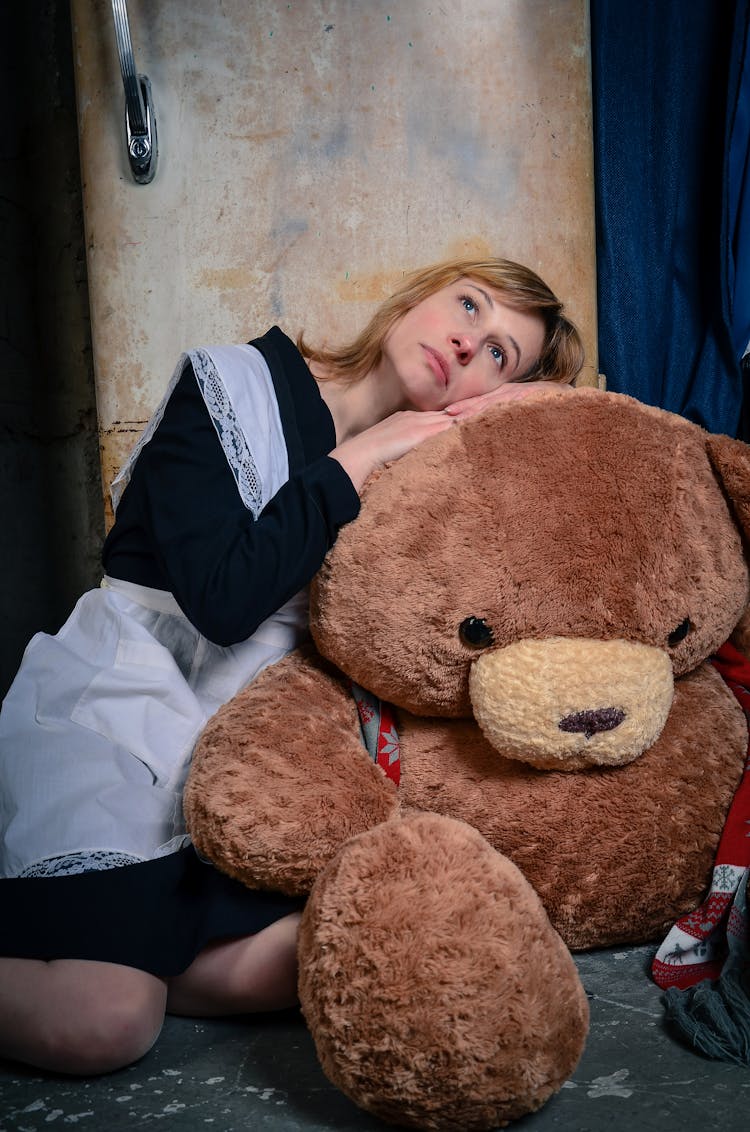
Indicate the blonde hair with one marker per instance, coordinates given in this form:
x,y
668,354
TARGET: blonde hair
x,y
562,354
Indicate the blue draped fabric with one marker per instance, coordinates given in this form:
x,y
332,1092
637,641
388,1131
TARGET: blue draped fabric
x,y
736,231
671,97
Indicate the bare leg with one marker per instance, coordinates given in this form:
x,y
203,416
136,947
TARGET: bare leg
x,y
240,976
77,1016
83,1017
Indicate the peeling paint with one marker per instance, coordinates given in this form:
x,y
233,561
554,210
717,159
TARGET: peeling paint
x,y
611,1085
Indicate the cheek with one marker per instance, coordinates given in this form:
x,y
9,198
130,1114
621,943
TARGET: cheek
x,y
407,332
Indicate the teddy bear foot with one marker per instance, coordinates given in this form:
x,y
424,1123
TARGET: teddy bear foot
x,y
437,992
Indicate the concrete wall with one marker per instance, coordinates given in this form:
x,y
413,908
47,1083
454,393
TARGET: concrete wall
x,y
311,152
51,522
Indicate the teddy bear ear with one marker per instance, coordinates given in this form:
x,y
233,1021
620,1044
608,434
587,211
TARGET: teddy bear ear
x,y
731,461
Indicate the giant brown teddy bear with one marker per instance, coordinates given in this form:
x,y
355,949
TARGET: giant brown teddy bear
x,y
536,591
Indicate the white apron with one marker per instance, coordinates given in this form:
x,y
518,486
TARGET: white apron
x,y
97,730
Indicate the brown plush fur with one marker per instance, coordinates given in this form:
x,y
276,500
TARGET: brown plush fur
x,y
242,799
589,532
437,992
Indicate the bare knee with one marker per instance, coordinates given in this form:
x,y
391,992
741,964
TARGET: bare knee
x,y
113,1029
73,1016
242,975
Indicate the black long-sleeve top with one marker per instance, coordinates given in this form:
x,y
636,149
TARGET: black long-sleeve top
x,y
181,525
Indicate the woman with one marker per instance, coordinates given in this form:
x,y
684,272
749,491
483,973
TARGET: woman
x,y
225,510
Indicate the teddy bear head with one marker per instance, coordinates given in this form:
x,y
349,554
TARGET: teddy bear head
x,y
548,567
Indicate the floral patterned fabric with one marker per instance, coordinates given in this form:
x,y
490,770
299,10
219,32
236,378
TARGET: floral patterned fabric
x,y
714,939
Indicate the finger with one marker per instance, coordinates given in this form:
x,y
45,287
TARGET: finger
x,y
459,407
481,400
510,392
472,405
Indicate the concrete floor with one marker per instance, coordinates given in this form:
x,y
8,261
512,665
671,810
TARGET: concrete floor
x,y
261,1075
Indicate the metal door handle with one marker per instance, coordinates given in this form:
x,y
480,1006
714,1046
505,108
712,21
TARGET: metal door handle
x,y
140,121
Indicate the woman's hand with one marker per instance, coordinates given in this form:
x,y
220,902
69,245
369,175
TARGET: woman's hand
x,y
396,435
388,440
511,391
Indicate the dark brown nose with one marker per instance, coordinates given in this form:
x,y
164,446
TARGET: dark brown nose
x,y
592,722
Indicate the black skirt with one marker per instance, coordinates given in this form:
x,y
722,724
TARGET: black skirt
x,y
157,915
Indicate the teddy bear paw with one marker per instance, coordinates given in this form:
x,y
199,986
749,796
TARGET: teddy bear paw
x,y
438,994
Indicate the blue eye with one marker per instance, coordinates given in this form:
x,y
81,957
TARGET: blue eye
x,y
498,354
468,304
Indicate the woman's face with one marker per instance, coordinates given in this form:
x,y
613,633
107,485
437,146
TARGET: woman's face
x,y
460,342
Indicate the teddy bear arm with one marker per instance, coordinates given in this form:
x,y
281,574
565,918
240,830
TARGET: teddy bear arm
x,y
280,778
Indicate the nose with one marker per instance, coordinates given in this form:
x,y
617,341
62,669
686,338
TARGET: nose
x,y
464,347
590,723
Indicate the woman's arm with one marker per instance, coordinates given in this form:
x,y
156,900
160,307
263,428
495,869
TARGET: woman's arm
x,y
227,570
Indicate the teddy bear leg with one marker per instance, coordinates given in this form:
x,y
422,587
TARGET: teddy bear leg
x,y
438,994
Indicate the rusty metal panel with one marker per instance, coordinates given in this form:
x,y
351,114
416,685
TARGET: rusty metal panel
x,y
310,154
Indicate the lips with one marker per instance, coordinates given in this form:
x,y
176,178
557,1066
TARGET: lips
x,y
437,364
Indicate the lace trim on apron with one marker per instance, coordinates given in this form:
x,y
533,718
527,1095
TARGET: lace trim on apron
x,y
228,430
84,862
238,391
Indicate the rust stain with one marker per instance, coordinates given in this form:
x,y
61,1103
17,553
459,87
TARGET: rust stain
x,y
115,445
225,278
373,287
260,136
470,247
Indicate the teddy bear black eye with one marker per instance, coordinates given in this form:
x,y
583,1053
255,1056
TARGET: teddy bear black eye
x,y
475,631
679,633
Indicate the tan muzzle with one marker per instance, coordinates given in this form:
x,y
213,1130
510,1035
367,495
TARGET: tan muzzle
x,y
565,703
